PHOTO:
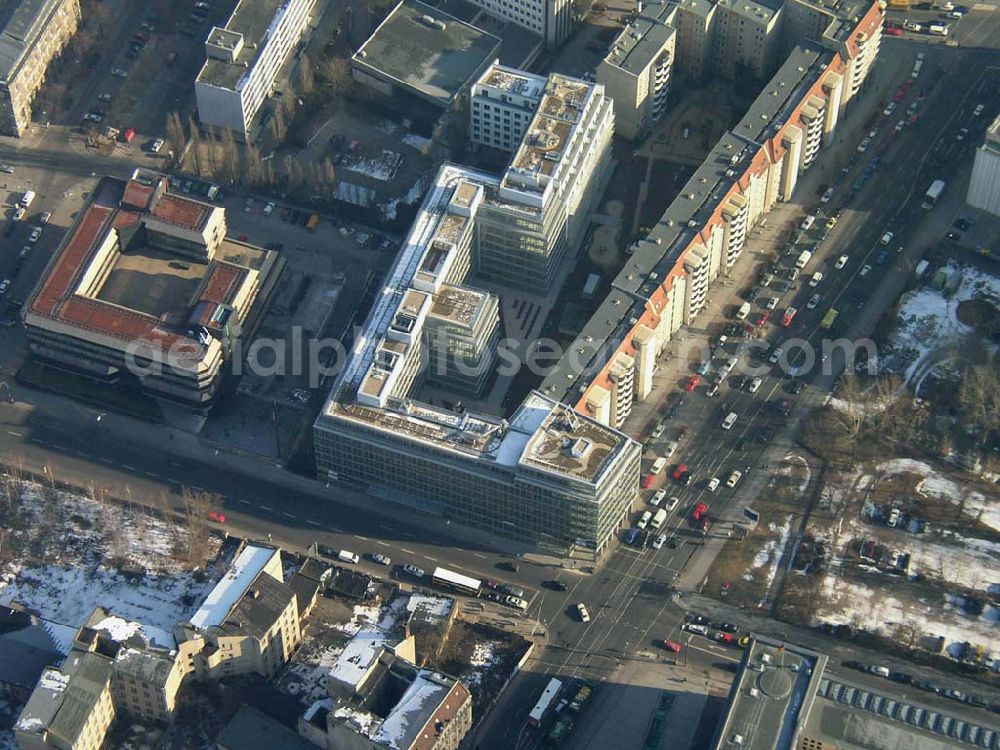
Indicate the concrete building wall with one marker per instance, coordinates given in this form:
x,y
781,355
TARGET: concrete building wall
x,y
18,92
984,187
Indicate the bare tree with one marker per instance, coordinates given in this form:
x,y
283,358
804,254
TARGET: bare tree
x,y
335,75
230,156
279,128
175,133
196,153
197,504
306,80
851,416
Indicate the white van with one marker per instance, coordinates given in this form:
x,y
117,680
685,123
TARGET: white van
x,y
658,465
658,518
644,519
880,671
807,223
729,421
938,29
348,557
803,260
699,629
744,311
27,199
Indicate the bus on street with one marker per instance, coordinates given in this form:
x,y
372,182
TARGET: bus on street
x,y
457,582
541,708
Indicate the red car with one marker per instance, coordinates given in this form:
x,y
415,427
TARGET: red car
x,y
699,510
679,471
128,135
692,382
648,480
762,318
893,31
671,645
216,516
726,638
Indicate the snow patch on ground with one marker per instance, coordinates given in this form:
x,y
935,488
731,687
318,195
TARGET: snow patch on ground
x,y
482,660
857,605
934,484
770,554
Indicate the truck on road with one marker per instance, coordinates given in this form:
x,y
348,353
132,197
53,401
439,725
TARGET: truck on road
x,y
933,193
658,519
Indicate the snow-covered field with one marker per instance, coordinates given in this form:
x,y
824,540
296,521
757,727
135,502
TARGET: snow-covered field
x,y
768,558
928,322
934,485
72,550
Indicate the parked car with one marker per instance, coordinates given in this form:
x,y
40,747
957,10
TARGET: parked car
x,y
44,217
380,559
841,262
413,570
555,585
269,208
671,645
581,610
156,145
516,602
214,515
119,72
35,234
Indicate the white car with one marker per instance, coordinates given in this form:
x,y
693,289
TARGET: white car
x,y
889,109
816,279
659,541
119,72
713,484
771,303
581,609
734,479
658,496
841,262
863,146
156,145
35,234
978,110
865,270
45,217
4,285
413,570
516,602
775,356
755,385
899,126
813,302
827,195
268,208
19,213
380,559
644,520
886,238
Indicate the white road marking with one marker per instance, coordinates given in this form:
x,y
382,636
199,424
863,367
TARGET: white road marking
x,y
287,515
245,502
15,434
384,544
362,538
128,468
310,521
432,559
407,551
264,507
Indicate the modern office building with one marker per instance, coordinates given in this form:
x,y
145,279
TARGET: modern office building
x,y
984,187
698,38
147,288
552,20
547,477
34,32
784,699
667,279
542,205
637,70
244,58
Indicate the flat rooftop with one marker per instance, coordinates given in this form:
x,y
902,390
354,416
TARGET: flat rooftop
x,y
151,281
641,42
513,81
457,305
772,694
22,21
428,51
558,113
253,19
852,717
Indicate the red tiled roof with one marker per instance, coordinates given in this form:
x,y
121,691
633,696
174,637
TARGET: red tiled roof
x,y
181,212
56,298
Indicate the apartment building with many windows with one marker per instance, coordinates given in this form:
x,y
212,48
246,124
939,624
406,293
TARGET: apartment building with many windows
x,y
247,624
666,282
33,33
984,187
542,204
244,58
698,38
552,20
